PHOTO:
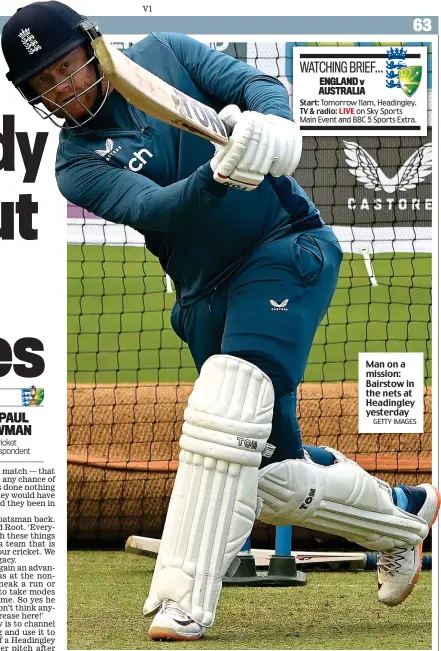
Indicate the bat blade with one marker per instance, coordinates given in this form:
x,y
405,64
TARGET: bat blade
x,y
143,546
150,547
154,96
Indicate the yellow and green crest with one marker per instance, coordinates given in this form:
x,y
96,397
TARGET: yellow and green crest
x,y
410,79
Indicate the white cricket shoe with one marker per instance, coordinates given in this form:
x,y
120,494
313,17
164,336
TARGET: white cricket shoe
x,y
172,622
398,569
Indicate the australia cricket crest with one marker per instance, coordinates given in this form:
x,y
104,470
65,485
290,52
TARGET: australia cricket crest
x,y
410,79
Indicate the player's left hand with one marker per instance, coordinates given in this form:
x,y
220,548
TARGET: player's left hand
x,y
233,164
287,143
274,148
260,144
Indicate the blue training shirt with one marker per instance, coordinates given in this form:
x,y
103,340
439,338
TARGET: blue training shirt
x,y
133,169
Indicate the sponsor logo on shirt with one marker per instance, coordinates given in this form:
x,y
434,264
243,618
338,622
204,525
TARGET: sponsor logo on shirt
x,y
139,160
279,307
110,150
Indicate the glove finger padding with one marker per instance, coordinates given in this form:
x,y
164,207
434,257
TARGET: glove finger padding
x,y
260,144
280,161
288,145
244,139
264,154
228,162
280,164
296,152
257,140
228,156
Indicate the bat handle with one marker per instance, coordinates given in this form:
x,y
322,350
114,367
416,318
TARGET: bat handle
x,y
228,128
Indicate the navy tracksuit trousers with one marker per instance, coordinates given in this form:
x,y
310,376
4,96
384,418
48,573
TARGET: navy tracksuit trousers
x,y
268,313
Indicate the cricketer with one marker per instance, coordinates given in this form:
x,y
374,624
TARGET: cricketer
x,y
254,273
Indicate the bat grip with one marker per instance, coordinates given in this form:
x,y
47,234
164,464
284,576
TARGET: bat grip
x,y
228,129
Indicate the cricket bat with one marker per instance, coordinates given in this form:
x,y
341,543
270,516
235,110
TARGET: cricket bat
x,y
327,560
152,95
356,560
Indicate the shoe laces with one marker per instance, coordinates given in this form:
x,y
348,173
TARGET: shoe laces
x,y
390,562
173,608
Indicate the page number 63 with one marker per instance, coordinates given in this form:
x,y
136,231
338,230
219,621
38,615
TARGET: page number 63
x,y
422,24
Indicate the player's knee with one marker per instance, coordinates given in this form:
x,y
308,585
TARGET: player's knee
x,y
229,411
283,382
285,433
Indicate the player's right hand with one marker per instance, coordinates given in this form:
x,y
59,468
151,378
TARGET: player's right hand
x,y
233,164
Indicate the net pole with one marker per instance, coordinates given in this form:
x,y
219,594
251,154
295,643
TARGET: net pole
x,y
283,540
246,547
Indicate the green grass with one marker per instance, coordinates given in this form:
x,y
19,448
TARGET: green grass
x,y
334,611
119,327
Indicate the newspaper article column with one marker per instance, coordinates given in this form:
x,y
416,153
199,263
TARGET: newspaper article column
x,y
32,390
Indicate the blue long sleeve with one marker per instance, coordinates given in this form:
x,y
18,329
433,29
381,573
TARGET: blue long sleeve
x,y
127,198
224,78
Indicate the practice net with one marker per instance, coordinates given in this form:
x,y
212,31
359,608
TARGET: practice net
x,y
130,376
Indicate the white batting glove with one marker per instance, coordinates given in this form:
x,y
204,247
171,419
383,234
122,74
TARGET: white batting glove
x,y
232,164
286,148
260,144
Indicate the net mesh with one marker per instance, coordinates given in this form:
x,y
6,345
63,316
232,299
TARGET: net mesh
x,y
130,376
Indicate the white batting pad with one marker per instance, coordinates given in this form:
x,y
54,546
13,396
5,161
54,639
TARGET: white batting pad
x,y
342,499
214,499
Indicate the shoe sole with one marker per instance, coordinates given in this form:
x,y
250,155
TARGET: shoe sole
x,y
414,581
162,633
